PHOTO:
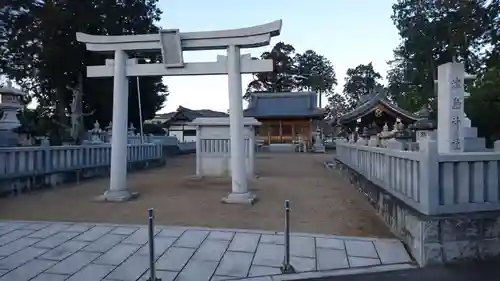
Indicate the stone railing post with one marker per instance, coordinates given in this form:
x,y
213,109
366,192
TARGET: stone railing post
x,y
429,176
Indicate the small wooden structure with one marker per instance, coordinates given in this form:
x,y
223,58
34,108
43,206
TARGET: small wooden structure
x,y
285,117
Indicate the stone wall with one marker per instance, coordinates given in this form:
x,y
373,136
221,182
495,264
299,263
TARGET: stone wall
x,y
432,239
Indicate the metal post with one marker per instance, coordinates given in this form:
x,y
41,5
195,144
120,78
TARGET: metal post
x,y
140,110
152,270
287,267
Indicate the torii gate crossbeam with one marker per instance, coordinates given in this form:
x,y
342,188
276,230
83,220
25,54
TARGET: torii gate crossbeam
x,y
171,43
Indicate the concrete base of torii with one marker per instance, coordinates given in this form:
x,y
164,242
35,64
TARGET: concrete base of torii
x,y
117,196
240,198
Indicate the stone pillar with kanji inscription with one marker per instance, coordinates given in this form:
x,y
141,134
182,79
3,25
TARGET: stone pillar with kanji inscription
x,y
455,133
451,107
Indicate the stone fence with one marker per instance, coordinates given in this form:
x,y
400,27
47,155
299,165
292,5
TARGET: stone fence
x,y
431,183
26,168
444,206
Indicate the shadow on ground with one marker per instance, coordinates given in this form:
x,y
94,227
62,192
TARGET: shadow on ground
x,y
480,271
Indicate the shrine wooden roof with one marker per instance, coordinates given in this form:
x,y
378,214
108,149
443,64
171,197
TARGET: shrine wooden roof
x,y
284,105
370,104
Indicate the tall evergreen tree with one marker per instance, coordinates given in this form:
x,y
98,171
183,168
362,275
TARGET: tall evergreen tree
x,y
40,52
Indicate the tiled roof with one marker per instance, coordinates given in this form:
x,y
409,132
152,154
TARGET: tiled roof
x,y
287,104
368,104
191,114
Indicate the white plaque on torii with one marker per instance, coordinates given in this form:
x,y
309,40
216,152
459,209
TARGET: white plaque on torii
x,y
171,43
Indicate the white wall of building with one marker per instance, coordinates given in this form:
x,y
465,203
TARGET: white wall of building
x,y
183,132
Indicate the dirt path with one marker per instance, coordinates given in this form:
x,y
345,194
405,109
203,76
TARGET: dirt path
x,y
321,202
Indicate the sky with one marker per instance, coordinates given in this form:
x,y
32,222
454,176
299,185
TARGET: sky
x,y
347,32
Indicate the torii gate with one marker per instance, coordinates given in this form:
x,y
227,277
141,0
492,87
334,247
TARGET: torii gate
x,y
171,43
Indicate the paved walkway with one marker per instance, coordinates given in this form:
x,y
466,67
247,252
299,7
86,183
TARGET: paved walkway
x,y
43,251
484,271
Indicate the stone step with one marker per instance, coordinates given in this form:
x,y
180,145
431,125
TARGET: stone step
x,y
475,145
470,132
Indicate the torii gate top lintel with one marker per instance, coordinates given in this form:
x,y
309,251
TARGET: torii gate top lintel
x,y
249,37
171,43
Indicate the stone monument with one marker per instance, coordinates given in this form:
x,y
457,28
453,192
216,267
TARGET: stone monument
x,y
455,131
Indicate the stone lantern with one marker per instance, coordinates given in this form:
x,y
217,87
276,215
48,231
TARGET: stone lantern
x,y
365,136
10,103
372,133
425,127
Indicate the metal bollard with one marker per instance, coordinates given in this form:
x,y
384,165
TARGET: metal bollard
x,y
151,233
287,267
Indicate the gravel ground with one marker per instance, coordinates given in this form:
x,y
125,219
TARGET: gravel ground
x,y
321,201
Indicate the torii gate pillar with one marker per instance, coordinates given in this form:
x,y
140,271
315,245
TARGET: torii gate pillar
x,y
171,43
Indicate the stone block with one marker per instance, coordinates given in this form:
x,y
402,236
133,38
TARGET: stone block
x,y
123,230
131,269
104,243
244,242
79,227
330,243
8,226
73,263
235,264
191,238
140,237
161,245
17,245
257,270
55,240
460,250
269,255
49,231
50,277
35,226
197,270
302,246
161,274
358,248
272,239
20,257
490,248
432,253
430,231
174,258
64,250
221,235
220,278
14,235
328,259
94,233
117,254
358,262
211,250
491,227
391,251
459,229
172,232
27,271
92,272
303,264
